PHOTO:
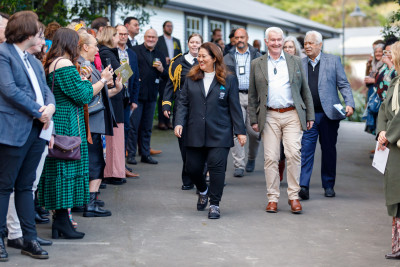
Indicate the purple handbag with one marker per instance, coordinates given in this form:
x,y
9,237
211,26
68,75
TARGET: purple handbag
x,y
66,147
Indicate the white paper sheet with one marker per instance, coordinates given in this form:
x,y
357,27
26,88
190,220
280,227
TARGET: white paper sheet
x,y
46,134
380,159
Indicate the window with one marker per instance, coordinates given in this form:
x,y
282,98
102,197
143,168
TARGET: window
x,y
216,24
236,25
193,25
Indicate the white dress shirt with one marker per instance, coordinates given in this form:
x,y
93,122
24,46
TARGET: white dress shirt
x,y
132,40
189,58
279,91
170,46
32,76
208,78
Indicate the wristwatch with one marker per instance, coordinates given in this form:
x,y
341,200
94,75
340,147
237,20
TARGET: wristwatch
x,y
104,81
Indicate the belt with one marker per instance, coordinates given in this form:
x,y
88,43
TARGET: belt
x,y
244,91
281,110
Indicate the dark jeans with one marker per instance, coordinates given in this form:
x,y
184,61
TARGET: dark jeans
x,y
18,172
216,158
327,131
141,119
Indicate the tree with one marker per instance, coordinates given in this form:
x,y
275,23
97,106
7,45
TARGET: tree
x,y
88,10
392,26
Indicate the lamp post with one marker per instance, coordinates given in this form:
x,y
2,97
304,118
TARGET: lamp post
x,y
356,13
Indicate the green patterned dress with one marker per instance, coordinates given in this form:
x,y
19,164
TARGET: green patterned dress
x,y
65,184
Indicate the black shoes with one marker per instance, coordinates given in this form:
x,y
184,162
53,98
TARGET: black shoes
x,y
213,212
41,220
114,181
131,160
62,226
17,243
41,211
94,210
103,185
148,159
32,248
78,209
304,193
329,192
44,242
3,251
187,187
202,202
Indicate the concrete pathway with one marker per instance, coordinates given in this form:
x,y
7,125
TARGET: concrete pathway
x,y
154,223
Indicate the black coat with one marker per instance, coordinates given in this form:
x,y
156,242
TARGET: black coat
x,y
162,46
213,119
117,100
149,76
169,94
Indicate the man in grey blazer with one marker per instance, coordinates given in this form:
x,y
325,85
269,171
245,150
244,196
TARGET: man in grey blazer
x,y
325,77
280,108
26,107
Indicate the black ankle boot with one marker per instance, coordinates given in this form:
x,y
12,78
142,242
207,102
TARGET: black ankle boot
x,y
62,226
99,202
94,210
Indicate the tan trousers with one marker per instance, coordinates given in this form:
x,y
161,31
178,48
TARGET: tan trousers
x,y
238,152
282,126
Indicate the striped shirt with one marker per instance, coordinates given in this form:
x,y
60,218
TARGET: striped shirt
x,y
243,60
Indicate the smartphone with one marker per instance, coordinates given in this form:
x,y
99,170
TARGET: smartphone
x,y
108,62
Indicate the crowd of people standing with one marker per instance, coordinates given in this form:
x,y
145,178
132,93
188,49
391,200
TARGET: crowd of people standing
x,y
66,81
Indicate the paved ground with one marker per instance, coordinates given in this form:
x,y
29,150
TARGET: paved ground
x,y
154,223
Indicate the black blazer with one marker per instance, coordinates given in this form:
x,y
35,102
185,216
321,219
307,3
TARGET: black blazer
x,y
162,46
148,74
117,100
213,119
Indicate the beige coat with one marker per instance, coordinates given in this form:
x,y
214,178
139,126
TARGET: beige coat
x,y
258,91
389,122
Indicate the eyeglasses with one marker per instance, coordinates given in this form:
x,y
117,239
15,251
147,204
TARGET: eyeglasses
x,y
123,34
387,52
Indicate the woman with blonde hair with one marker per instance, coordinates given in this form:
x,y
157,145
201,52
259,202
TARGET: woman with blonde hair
x,y
388,135
115,147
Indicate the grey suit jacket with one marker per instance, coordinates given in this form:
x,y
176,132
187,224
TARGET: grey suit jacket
x,y
258,91
331,78
18,105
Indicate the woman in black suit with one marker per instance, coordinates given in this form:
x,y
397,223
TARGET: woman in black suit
x,y
179,68
209,108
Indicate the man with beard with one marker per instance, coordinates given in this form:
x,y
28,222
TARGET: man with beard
x,y
238,61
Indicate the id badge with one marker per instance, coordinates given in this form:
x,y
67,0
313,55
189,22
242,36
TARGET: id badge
x,y
242,70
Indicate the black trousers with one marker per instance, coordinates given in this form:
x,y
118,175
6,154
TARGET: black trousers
x,y
96,158
18,172
185,176
216,158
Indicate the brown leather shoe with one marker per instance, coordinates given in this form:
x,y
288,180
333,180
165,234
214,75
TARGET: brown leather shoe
x,y
295,206
129,174
155,152
272,207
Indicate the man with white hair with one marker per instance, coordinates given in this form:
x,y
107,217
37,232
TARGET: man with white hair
x,y
280,108
325,77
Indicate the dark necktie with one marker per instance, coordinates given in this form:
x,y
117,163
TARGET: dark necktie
x,y
194,61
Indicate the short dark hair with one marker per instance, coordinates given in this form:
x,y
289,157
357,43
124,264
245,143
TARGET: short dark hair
x,y
165,23
389,41
99,22
232,34
216,30
4,15
127,20
21,26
